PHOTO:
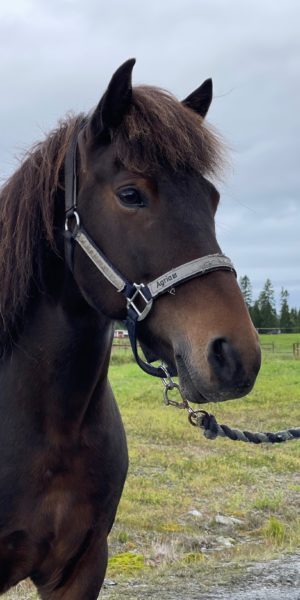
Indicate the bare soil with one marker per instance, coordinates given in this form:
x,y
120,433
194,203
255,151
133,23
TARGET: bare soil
x,y
275,580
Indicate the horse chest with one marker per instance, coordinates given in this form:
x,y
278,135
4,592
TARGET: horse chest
x,y
71,498
74,488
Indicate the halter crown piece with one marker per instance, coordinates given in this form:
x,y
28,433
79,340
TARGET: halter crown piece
x,y
139,296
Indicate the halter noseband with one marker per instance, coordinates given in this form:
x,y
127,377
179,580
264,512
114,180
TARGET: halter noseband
x,y
139,296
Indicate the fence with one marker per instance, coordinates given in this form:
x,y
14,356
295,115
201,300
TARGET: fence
x,y
296,350
284,351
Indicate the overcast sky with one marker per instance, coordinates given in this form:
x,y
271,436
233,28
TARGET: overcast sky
x,y
58,55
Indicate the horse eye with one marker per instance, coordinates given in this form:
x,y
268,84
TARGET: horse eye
x,y
131,197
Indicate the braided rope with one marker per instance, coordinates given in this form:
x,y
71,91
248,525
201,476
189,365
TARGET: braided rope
x,y
212,429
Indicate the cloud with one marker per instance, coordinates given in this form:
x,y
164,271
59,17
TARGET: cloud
x,y
59,55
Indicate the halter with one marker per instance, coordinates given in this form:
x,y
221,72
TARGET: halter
x,y
139,296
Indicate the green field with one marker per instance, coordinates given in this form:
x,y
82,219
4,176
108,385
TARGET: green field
x,y
197,508
180,483
280,344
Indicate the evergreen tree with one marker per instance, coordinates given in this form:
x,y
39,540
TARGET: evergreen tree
x,y
255,315
246,289
294,317
266,303
285,316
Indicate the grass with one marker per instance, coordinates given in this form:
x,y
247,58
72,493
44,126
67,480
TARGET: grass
x,y
179,483
282,343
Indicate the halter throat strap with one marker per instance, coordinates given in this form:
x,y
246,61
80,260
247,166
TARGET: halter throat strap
x,y
139,296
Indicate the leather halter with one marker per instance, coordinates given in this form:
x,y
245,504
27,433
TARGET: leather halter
x,y
139,296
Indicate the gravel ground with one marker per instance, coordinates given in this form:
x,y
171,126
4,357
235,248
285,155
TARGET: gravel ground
x,y
274,580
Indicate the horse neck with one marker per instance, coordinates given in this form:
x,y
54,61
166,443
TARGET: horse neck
x,y
60,360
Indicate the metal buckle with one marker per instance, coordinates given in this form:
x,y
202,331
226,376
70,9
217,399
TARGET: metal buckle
x,y
139,294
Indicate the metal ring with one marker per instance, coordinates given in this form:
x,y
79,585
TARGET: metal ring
x,y
75,215
195,419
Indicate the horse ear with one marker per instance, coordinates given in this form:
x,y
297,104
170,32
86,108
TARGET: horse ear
x,y
201,98
115,102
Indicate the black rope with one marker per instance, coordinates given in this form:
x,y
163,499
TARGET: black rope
x,y
212,430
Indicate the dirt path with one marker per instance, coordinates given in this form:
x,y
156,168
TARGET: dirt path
x,y
275,580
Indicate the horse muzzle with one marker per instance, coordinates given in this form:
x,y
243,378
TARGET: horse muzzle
x,y
221,374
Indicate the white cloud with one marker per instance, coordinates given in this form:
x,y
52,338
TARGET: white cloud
x,y
58,55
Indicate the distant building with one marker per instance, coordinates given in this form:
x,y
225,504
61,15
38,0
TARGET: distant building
x,y
120,333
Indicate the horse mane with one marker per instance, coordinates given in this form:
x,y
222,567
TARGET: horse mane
x,y
27,203
158,132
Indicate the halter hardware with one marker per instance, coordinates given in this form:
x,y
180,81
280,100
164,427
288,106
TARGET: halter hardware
x,y
139,295
73,214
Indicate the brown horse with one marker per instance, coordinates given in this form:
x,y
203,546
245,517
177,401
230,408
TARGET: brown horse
x,y
134,174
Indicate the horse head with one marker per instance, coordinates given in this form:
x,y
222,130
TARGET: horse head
x,y
145,198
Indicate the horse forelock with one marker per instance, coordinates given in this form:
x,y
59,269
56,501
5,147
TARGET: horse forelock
x,y
159,132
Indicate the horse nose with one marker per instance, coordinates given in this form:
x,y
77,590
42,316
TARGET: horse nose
x,y
228,366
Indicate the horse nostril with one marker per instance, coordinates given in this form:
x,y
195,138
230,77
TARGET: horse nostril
x,y
223,358
218,348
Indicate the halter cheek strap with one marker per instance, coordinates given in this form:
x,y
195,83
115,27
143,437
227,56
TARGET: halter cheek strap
x,y
139,296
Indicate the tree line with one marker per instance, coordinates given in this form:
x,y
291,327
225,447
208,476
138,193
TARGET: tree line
x,y
263,310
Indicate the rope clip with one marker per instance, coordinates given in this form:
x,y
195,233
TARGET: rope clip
x,y
169,385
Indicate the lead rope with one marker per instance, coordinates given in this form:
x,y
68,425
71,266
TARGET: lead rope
x,y
212,429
